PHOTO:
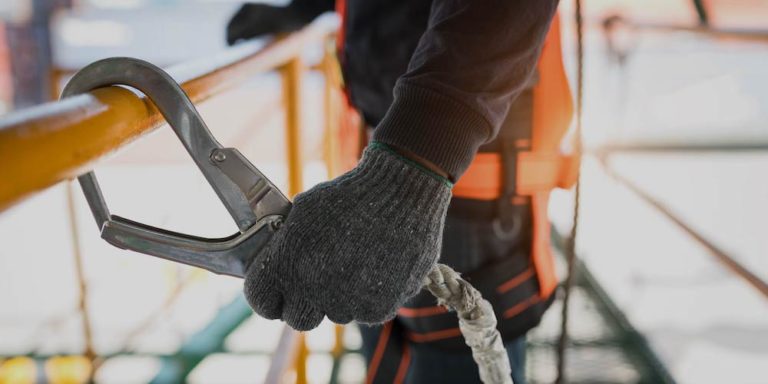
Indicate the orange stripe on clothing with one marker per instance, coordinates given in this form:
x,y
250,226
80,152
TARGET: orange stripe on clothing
x,y
421,312
515,281
432,336
515,310
519,200
482,180
405,362
542,258
341,10
537,171
381,345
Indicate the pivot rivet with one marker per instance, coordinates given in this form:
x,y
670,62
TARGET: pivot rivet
x,y
218,156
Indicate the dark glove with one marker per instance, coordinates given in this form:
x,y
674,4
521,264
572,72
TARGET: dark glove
x,y
254,20
353,248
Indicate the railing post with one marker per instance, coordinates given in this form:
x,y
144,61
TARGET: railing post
x,y
301,360
338,341
329,68
292,73
77,253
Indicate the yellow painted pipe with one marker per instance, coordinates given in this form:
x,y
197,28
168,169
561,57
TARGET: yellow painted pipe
x,y
47,144
338,341
292,75
68,370
302,355
44,145
331,110
18,370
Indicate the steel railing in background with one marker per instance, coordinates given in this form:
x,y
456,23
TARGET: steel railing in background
x,y
604,152
617,338
704,29
680,147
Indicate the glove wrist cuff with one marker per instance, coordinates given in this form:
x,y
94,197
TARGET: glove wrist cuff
x,y
375,145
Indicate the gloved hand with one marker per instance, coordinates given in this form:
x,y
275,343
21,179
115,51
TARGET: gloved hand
x,y
254,20
353,248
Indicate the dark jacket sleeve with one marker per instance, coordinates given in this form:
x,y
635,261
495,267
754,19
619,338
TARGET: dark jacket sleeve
x,y
313,8
472,61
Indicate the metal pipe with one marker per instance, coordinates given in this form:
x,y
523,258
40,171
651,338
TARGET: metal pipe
x,y
206,341
292,75
701,12
728,261
756,35
47,144
331,140
660,147
89,350
300,361
284,356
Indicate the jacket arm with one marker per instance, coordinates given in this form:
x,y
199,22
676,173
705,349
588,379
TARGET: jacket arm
x,y
313,8
473,60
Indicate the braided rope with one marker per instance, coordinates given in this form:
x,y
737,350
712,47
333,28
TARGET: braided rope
x,y
477,322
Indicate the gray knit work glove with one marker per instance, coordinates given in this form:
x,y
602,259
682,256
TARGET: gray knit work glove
x,y
353,248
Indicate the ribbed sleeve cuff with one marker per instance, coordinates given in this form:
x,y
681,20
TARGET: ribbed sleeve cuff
x,y
434,127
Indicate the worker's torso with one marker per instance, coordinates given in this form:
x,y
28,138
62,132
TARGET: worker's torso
x,y
497,235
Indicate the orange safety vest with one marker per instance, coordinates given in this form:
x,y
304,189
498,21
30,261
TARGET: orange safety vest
x,y
350,132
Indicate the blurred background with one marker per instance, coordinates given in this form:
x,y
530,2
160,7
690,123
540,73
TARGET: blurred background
x,y
671,283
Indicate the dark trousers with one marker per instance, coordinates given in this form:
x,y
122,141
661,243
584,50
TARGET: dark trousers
x,y
428,364
468,243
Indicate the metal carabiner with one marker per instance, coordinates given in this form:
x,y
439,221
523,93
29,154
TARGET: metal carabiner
x,y
256,205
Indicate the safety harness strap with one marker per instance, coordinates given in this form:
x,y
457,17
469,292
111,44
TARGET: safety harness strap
x,y
531,162
535,172
514,137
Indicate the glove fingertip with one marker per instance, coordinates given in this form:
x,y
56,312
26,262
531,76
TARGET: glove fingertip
x,y
302,316
265,299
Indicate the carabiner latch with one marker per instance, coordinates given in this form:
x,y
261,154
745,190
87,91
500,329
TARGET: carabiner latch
x,y
255,203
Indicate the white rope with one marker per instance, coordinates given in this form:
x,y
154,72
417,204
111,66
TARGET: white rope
x,y
476,321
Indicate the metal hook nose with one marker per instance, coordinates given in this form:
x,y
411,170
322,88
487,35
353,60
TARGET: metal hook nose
x,y
253,201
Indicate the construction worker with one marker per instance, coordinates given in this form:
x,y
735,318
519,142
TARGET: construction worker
x,y
456,169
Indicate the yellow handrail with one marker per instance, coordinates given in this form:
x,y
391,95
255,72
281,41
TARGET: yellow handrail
x,y
56,141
